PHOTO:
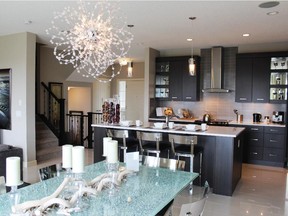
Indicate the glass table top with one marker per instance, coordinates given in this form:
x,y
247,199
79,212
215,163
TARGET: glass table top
x,y
144,193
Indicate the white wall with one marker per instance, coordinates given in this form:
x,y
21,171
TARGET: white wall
x,y
18,52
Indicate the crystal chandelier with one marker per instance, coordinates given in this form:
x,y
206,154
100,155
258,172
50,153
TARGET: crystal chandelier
x,y
91,37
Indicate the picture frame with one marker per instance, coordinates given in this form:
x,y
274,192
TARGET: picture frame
x,y
5,98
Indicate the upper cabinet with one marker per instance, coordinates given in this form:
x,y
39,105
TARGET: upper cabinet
x,y
278,79
173,81
258,80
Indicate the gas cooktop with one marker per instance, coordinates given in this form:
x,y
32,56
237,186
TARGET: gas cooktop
x,y
216,122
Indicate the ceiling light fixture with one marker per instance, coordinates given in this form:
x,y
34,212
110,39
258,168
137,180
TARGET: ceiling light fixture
x,y
130,64
191,61
95,39
130,69
272,13
269,4
246,35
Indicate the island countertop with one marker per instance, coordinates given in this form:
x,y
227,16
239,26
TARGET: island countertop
x,y
222,150
220,131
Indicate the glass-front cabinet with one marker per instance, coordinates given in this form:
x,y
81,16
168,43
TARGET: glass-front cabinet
x,y
278,79
162,80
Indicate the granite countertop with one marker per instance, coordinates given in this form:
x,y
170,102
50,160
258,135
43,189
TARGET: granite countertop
x,y
231,122
220,131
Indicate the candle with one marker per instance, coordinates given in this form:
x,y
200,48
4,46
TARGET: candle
x,y
112,151
13,171
78,159
67,156
105,142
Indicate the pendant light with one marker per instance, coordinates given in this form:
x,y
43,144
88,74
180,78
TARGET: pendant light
x,y
130,64
191,61
130,69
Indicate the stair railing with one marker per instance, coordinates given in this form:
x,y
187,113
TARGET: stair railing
x,y
52,112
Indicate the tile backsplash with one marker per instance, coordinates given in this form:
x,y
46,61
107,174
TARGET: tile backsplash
x,y
221,105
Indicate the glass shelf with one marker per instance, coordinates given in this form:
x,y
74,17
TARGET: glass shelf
x,y
162,67
161,92
279,78
278,94
279,63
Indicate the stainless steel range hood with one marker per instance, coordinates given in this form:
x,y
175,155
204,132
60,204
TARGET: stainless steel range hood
x,y
216,72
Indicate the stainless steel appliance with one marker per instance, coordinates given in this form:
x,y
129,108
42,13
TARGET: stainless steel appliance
x,y
278,117
257,117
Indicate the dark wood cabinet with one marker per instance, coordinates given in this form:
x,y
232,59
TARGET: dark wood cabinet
x,y
264,145
252,79
261,80
244,68
191,88
181,86
176,73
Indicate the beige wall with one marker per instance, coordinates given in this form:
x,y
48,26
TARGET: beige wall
x,y
17,51
138,73
79,99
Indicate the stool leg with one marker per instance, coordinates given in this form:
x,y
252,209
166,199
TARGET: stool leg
x,y
124,154
191,170
200,167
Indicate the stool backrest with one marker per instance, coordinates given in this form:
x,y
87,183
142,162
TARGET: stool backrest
x,y
118,134
149,137
171,164
50,171
183,140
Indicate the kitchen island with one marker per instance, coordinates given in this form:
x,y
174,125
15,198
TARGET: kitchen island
x,y
222,151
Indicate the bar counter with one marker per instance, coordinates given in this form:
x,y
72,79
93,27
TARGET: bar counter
x,y
222,151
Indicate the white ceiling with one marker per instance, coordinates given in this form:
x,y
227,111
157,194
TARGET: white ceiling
x,y
164,25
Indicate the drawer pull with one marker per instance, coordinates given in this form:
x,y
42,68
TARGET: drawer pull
x,y
242,99
260,99
255,129
274,141
254,153
174,97
272,155
188,97
273,130
256,140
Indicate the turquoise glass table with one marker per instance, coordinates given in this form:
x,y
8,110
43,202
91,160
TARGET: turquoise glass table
x,y
148,191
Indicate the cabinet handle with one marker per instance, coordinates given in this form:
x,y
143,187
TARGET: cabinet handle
x,y
255,140
188,97
239,143
254,153
242,99
273,130
272,155
174,97
274,141
254,129
260,99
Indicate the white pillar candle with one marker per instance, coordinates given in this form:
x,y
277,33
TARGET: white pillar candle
x,y
67,156
78,159
112,151
13,171
105,142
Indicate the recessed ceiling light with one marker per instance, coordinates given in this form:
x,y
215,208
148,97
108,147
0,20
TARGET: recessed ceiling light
x,y
189,39
246,35
272,13
27,22
269,4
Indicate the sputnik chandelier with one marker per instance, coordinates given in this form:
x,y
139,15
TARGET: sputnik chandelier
x,y
91,37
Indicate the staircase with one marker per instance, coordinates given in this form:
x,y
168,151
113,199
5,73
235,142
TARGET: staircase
x,y
47,144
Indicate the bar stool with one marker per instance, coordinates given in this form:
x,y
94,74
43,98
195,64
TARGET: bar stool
x,y
185,146
125,141
150,142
